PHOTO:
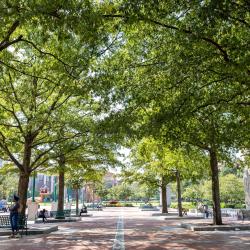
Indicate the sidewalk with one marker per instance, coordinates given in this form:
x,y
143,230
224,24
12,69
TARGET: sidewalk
x,y
33,229
138,230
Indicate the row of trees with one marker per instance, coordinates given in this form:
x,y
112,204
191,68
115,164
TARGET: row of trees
x,y
181,75
126,192
231,190
49,118
75,73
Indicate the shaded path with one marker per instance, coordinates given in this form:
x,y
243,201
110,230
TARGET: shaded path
x,y
139,230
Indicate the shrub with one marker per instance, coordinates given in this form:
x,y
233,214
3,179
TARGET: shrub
x,y
240,206
188,205
113,202
128,205
230,205
223,205
174,205
110,205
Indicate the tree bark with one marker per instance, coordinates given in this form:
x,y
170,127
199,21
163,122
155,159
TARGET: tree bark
x,y
22,191
164,196
217,219
61,184
77,201
178,183
25,174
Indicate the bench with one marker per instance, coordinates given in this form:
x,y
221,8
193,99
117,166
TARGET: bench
x,y
21,224
60,214
245,214
73,212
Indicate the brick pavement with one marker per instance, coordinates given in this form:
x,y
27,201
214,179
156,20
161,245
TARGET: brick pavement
x,y
140,229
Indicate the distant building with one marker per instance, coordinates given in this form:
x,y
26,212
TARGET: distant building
x,y
110,180
88,193
44,185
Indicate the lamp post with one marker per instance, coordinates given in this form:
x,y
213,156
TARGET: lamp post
x,y
55,188
68,194
33,187
94,197
12,195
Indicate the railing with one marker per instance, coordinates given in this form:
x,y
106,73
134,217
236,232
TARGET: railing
x,y
231,212
225,212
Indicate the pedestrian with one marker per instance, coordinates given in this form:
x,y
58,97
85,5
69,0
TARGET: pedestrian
x,y
206,212
14,216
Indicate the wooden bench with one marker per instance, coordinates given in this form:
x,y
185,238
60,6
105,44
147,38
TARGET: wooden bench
x,y
21,224
245,214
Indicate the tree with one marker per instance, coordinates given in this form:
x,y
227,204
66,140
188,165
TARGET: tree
x,y
120,192
8,184
27,107
79,175
156,164
65,35
187,74
232,189
193,192
45,54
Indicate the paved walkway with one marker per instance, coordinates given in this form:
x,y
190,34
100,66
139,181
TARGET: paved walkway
x,y
130,229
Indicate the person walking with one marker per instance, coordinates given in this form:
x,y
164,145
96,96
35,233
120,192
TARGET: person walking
x,y
14,216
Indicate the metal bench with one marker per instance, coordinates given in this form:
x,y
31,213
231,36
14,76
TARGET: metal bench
x,y
73,211
21,224
245,214
60,214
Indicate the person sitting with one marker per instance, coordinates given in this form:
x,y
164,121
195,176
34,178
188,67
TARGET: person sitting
x,y
83,210
42,214
184,211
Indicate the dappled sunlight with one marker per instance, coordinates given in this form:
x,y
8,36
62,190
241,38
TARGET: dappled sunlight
x,y
141,231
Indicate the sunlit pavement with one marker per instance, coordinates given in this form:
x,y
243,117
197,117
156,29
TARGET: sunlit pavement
x,y
128,228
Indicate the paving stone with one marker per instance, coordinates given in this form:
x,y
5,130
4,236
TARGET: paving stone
x,y
141,231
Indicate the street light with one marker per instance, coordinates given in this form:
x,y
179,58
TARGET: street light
x,y
33,187
54,188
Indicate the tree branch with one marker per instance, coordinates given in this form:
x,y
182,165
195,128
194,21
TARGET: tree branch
x,y
25,73
6,41
4,146
168,26
47,53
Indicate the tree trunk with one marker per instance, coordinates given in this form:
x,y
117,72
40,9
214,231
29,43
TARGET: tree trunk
x,y
61,195
164,196
24,175
178,183
246,178
77,201
22,190
217,220
61,188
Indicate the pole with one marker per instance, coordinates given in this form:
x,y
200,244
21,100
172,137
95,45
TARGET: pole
x,y
55,188
68,194
33,187
93,199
